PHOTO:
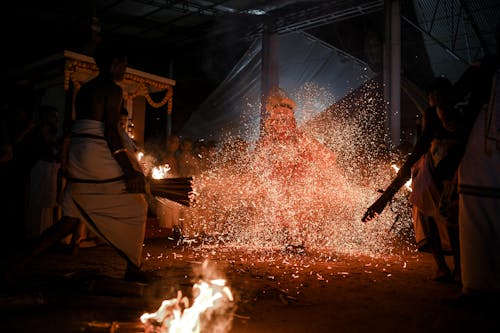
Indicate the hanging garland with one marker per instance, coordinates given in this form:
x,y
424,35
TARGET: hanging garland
x,y
166,98
72,67
142,90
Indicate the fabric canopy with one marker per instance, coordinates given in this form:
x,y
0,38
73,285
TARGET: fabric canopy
x,y
312,72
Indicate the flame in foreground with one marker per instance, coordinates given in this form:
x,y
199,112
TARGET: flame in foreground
x,y
176,316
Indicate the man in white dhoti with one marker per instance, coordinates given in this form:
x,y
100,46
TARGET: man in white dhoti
x,y
105,183
479,189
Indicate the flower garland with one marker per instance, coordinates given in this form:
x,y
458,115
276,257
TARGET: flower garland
x,y
142,90
72,67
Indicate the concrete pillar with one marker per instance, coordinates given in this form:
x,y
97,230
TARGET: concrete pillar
x,y
139,119
270,66
169,114
392,70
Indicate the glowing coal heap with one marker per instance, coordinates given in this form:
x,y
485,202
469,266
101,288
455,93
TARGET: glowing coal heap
x,y
307,187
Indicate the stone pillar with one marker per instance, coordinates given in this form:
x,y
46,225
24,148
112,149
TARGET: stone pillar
x,y
392,70
270,66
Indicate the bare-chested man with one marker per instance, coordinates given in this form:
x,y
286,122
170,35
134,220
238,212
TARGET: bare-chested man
x,y
105,182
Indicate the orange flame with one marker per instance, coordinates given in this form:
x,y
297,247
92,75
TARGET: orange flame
x,y
176,316
408,183
160,172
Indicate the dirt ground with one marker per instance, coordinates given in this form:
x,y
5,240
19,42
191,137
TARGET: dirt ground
x,y
274,291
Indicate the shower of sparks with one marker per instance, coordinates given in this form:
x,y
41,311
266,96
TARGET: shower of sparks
x,y
309,192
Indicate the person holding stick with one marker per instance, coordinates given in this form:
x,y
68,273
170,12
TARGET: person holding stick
x,y
432,165
105,183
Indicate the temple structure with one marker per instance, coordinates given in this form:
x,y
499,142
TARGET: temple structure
x,y
58,78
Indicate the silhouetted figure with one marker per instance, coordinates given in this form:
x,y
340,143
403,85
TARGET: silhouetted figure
x,y
479,183
105,184
433,163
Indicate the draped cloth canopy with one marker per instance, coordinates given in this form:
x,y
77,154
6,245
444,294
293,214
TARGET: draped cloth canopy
x,y
233,108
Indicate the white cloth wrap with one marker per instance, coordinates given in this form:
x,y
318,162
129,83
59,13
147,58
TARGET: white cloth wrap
x,y
108,210
425,197
479,205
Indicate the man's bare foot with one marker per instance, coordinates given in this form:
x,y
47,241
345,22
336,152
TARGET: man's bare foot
x,y
443,275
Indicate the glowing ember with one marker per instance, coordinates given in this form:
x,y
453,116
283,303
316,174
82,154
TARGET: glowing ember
x,y
150,166
176,316
408,183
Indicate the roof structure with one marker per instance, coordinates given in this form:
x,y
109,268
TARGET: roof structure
x,y
198,42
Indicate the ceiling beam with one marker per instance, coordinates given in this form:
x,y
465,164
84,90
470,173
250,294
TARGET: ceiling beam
x,y
434,39
475,27
315,16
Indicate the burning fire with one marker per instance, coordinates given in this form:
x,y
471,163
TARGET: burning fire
x,y
150,167
160,172
176,316
408,183
140,155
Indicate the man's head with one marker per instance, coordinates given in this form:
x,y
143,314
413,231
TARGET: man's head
x,y
280,121
278,98
173,143
439,92
123,118
111,60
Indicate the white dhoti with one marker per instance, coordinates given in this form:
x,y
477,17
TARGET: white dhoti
x,y
425,197
479,205
96,195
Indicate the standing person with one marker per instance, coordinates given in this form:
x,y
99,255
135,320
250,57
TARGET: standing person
x,y
479,184
433,163
171,155
32,176
105,186
291,159
41,154
18,118
124,118
189,164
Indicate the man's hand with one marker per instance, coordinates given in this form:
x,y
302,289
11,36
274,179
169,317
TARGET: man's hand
x,y
375,209
135,182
